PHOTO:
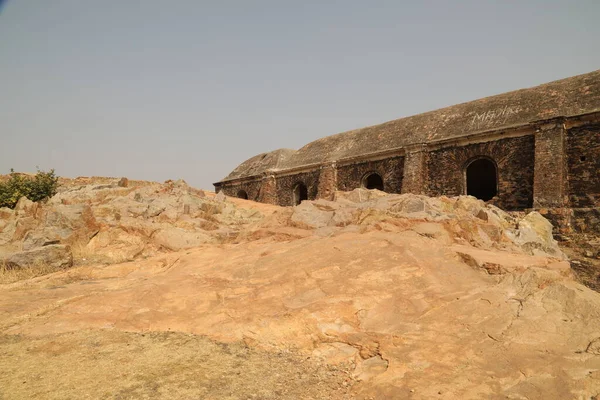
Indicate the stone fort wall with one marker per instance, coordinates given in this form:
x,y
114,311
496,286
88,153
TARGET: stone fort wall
x,y
514,159
551,165
534,148
391,170
583,163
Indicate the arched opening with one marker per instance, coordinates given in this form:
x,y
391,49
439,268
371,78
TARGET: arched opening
x,y
373,181
482,179
300,193
242,195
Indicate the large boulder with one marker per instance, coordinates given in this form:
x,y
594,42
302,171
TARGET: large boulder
x,y
313,214
67,224
178,239
24,225
8,225
53,256
359,195
465,219
7,231
534,235
26,207
115,245
6,213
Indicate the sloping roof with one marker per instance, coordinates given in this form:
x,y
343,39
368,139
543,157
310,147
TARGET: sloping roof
x,y
566,97
261,163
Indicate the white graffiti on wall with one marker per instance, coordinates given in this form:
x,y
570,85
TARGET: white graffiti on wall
x,y
492,117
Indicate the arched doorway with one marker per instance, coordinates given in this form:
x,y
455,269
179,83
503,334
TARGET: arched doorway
x,y
373,181
242,195
482,179
300,193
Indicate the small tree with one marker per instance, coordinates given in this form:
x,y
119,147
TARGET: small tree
x,y
40,187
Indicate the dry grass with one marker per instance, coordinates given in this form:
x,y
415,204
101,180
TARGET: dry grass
x,y
11,275
83,256
118,365
210,210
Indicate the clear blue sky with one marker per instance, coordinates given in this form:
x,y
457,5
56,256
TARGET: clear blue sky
x,y
155,89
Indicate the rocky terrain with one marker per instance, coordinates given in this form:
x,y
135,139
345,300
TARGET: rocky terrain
x,y
147,290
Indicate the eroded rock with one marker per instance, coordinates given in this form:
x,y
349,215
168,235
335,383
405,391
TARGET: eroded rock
x,y
52,256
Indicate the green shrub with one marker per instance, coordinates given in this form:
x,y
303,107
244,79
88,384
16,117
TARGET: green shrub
x,y
40,187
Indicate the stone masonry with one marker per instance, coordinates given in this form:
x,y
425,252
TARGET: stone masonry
x,y
535,148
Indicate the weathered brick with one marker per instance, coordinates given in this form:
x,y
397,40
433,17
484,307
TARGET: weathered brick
x,y
542,147
583,155
513,157
550,166
350,176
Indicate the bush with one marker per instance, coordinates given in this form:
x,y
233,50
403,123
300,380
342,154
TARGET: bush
x,y
40,187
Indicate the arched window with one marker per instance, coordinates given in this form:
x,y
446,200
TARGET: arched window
x,y
373,181
482,179
300,193
242,195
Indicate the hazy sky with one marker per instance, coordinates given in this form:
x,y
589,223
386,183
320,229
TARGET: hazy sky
x,y
167,89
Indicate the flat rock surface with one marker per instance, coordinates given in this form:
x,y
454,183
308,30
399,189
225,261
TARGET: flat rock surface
x,y
404,302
